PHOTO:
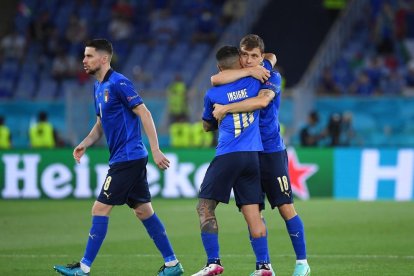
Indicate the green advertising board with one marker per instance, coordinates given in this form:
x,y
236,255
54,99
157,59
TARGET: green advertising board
x,y
55,174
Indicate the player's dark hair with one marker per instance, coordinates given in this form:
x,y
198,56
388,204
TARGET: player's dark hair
x,y
227,56
100,44
252,41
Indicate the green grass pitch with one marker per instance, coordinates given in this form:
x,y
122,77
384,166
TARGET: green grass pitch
x,y
343,238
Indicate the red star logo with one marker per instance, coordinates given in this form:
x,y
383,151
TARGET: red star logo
x,y
299,173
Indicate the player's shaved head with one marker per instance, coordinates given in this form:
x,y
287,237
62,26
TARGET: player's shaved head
x,y
228,57
251,41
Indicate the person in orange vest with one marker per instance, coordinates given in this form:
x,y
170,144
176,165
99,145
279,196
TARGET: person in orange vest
x,y
5,136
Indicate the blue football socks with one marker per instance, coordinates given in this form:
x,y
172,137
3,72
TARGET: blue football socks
x,y
156,231
96,236
260,249
211,246
297,235
267,258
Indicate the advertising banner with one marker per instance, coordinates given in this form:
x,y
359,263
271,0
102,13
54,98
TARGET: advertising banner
x,y
374,174
32,174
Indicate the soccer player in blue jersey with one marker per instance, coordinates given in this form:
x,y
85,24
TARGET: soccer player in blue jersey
x,y
120,110
236,165
273,160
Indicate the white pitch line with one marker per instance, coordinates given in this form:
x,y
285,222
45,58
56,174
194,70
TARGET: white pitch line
x,y
310,256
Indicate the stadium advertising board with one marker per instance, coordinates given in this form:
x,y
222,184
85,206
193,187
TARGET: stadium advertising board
x,y
29,174
373,174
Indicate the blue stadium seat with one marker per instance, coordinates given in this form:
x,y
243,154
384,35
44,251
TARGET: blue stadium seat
x,y
25,87
47,90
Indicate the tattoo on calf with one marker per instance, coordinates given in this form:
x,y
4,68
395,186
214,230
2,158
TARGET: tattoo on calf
x,y
208,221
209,226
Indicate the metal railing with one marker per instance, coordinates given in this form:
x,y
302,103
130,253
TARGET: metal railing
x,y
327,54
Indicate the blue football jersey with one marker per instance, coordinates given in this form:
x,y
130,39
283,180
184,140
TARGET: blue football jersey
x,y
269,116
237,131
115,97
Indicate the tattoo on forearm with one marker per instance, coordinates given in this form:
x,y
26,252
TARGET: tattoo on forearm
x,y
208,221
267,93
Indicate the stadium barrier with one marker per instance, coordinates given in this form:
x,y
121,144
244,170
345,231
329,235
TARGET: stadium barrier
x,y
342,173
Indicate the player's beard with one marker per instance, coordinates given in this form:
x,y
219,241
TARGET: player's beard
x,y
93,71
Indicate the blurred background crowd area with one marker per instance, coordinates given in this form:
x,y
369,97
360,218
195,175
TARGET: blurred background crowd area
x,y
347,66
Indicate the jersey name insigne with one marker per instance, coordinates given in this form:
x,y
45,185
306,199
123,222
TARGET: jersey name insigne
x,y
238,131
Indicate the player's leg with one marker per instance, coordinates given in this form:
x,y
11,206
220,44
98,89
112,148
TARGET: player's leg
x,y
258,234
139,199
97,233
209,236
216,187
296,231
250,199
268,256
156,230
112,193
277,186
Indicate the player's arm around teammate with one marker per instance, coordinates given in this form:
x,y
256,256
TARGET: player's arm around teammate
x,y
262,100
273,160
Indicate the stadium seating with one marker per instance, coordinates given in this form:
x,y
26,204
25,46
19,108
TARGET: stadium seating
x,y
31,79
135,51
152,66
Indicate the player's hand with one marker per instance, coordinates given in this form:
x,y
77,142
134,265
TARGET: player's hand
x,y
260,73
159,158
219,112
78,152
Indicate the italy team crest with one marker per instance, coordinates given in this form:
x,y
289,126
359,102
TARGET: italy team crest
x,y
106,95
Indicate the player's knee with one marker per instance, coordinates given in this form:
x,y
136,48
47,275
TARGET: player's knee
x,y
287,211
199,210
138,213
258,232
100,209
206,207
143,211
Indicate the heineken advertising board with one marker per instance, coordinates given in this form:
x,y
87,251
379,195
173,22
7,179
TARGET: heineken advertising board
x,y
342,173
30,174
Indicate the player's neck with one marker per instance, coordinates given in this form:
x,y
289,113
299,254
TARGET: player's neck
x,y
100,75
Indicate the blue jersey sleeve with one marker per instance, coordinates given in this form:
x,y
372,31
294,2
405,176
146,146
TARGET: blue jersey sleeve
x,y
127,93
274,83
267,65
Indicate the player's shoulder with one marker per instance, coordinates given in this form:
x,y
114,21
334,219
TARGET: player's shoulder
x,y
212,89
267,64
276,74
119,79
